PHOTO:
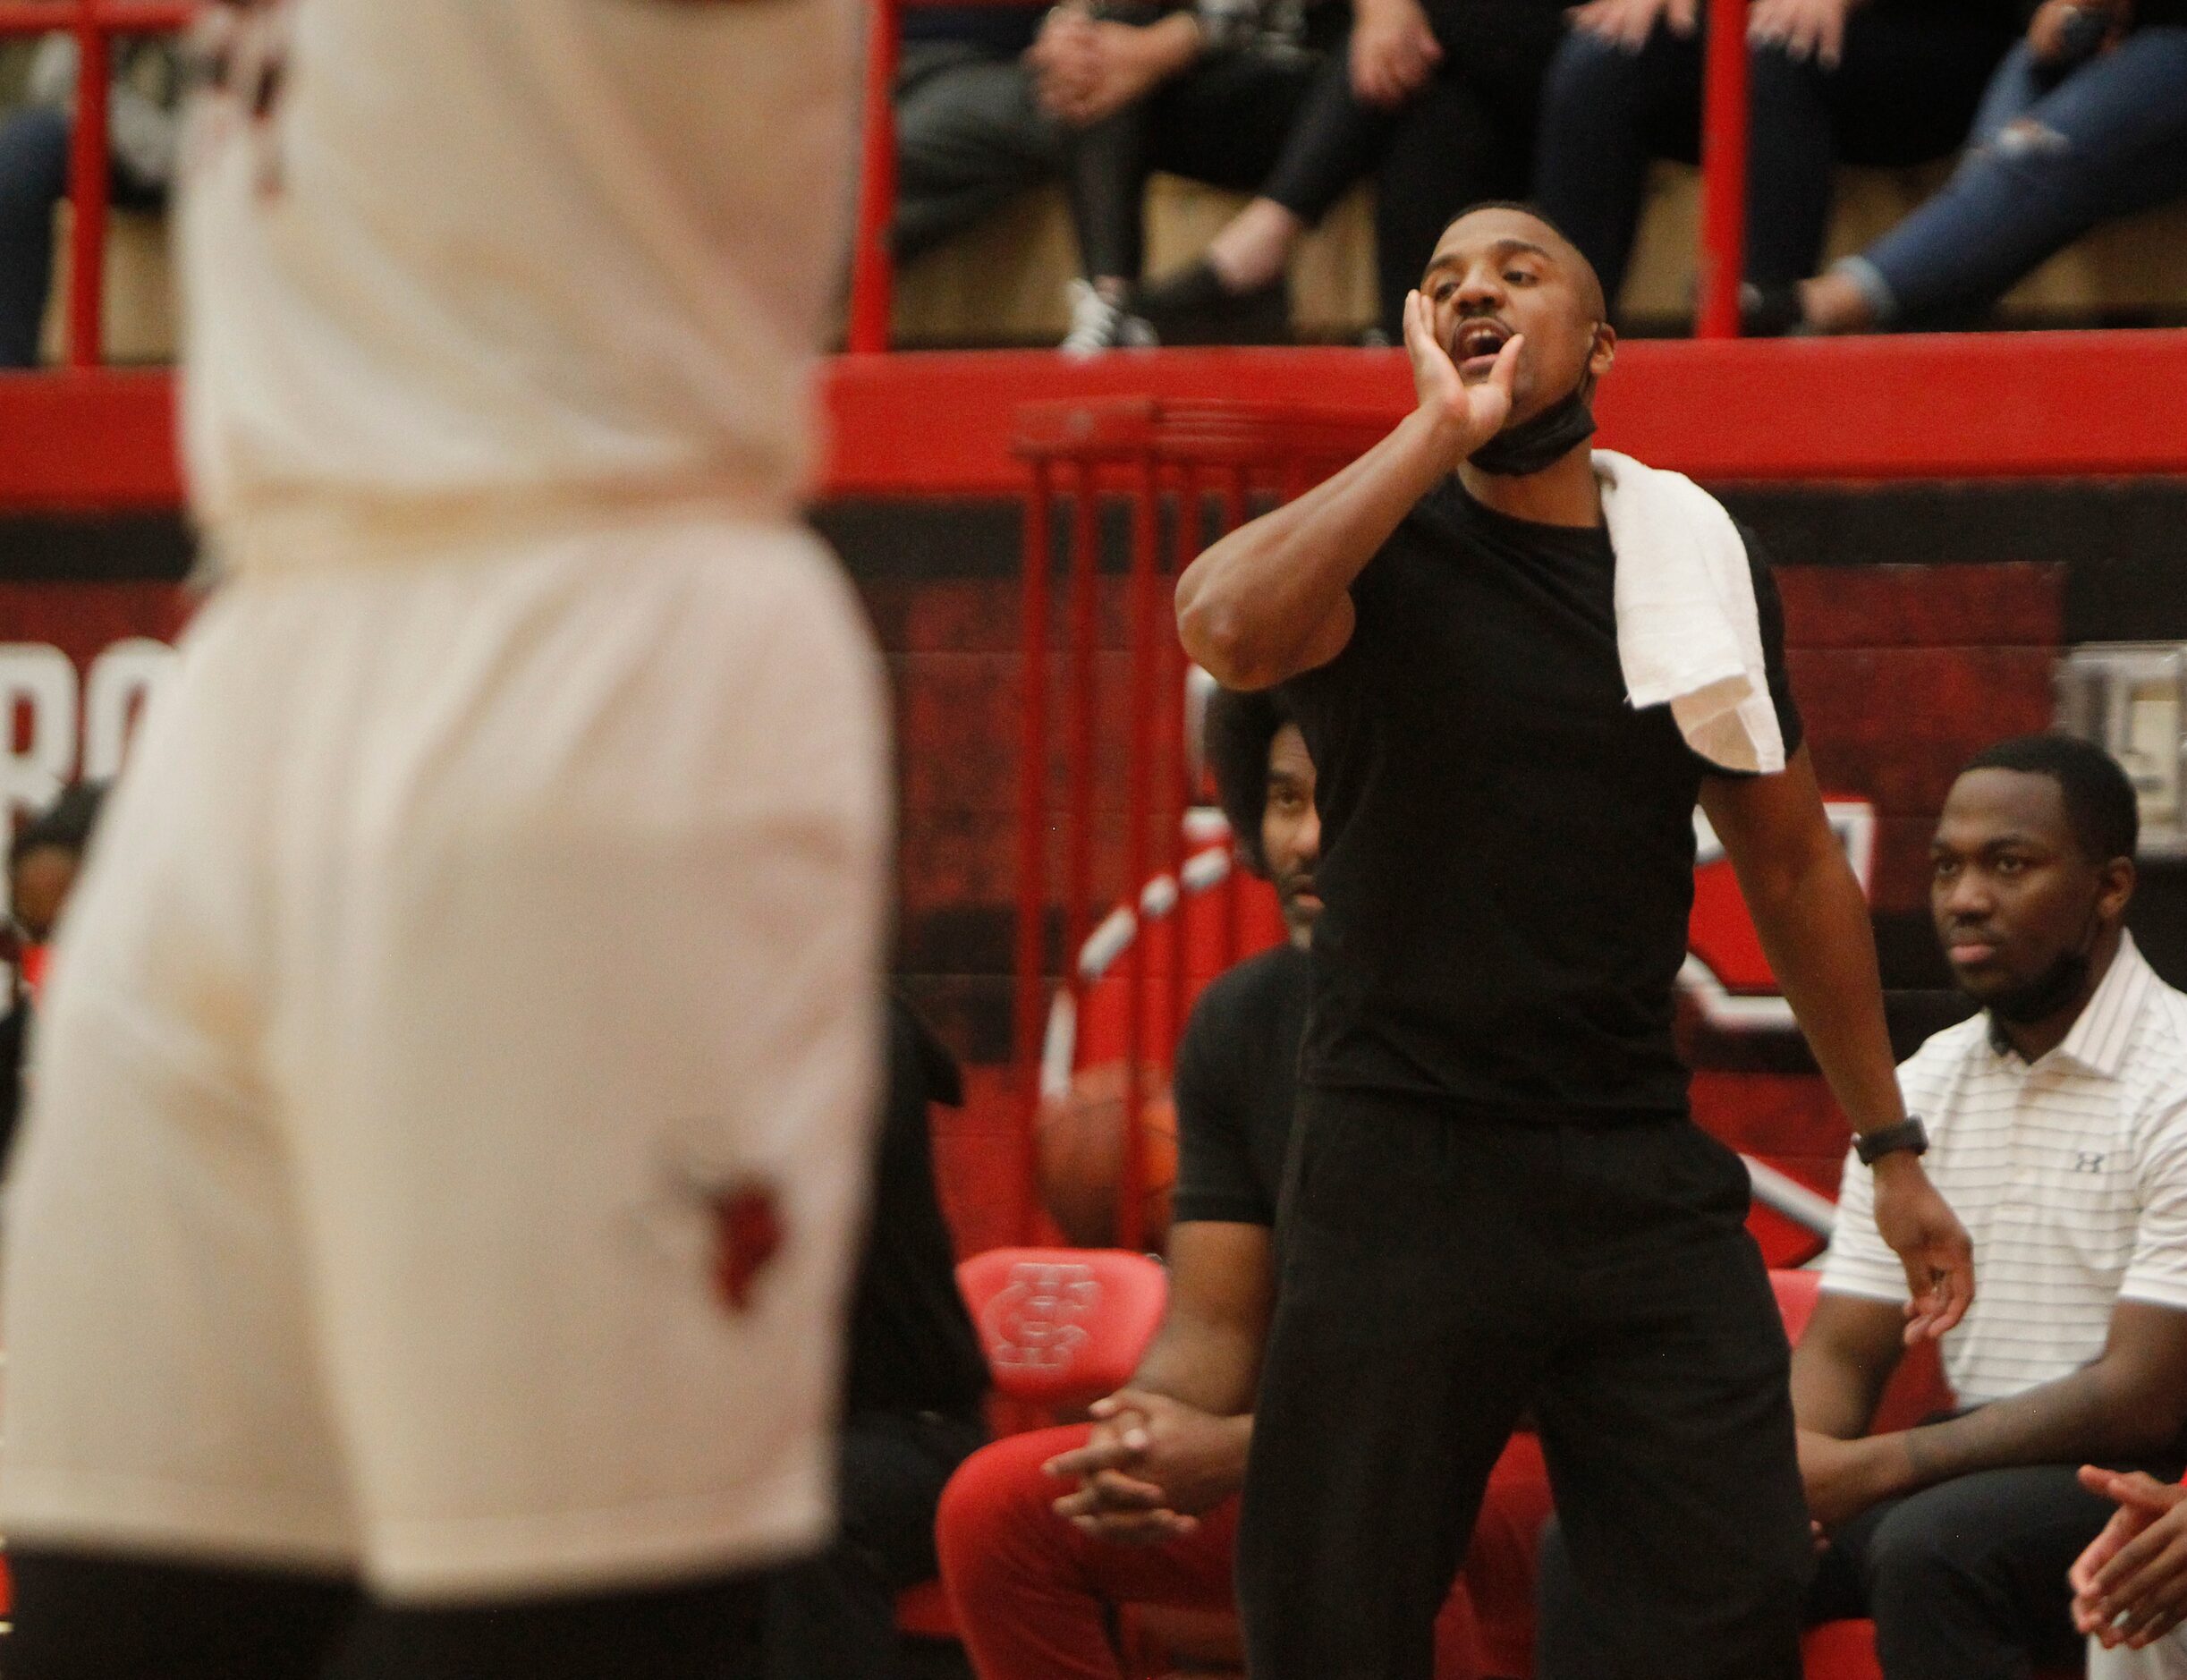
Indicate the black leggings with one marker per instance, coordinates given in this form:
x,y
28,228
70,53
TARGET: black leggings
x,y
1282,125
1468,135
80,1615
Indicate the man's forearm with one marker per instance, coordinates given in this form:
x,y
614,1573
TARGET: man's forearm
x,y
1833,1395
1248,605
1212,1367
1815,930
2097,1414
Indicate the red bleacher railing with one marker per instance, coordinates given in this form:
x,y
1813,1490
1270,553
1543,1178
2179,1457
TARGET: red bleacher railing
x,y
94,24
1169,465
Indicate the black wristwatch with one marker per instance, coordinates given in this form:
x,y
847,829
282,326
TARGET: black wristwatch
x,y
1908,1134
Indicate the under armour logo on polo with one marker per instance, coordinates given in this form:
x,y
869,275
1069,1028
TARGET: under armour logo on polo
x,y
2084,1162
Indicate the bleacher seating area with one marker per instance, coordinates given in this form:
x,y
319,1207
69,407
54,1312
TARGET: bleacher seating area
x,y
1002,283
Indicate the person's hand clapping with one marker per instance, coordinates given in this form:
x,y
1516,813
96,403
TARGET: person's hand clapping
x,y
1628,24
1471,415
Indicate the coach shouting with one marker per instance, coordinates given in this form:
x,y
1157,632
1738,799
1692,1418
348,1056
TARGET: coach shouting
x,y
1518,667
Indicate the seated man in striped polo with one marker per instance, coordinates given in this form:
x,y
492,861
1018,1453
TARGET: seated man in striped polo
x,y
2058,1127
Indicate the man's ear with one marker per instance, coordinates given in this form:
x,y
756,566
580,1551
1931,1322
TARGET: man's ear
x,y
2118,887
1604,350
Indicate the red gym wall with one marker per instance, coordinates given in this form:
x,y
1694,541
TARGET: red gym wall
x,y
1946,513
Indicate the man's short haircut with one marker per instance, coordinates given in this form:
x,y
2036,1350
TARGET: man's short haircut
x,y
63,826
1239,731
2100,799
1571,244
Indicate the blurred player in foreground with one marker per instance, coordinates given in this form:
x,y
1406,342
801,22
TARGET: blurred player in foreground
x,y
428,1244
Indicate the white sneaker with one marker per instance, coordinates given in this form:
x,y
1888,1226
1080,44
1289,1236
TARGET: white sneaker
x,y
1097,325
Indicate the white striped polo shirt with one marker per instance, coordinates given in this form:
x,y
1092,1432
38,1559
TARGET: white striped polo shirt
x,y
2070,1174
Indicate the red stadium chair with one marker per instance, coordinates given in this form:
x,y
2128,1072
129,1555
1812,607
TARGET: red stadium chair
x,y
1846,1651
1061,1328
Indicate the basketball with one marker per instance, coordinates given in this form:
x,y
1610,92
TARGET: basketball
x,y
1080,1146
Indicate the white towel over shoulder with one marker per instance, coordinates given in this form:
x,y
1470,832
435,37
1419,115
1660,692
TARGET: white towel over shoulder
x,y
1688,631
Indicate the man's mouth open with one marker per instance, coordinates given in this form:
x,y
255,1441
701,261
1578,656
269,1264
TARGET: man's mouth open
x,y
1474,346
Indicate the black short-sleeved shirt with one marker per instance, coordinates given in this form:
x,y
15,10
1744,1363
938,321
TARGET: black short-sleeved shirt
x,y
1236,1084
1507,843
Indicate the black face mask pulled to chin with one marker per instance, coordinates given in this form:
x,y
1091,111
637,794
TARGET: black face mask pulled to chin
x,y
1534,445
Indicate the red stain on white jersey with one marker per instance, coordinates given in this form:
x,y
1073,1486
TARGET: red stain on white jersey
x,y
748,1235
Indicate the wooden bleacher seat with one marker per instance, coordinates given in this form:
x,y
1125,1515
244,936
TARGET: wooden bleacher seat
x,y
1002,282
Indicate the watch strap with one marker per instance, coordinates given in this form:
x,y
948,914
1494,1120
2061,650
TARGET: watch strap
x,y
1908,1134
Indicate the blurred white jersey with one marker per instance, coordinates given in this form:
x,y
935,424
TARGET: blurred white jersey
x,y
485,254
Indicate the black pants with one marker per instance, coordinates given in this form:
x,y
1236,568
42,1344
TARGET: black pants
x,y
1903,92
1469,135
834,1615
92,1617
1966,1581
1442,1272
1284,125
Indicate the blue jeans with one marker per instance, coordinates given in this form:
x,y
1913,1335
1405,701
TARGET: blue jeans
x,y
33,178
2046,161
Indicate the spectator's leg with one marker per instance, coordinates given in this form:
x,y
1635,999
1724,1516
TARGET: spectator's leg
x,y
1109,165
33,180
2109,140
1238,122
1469,135
1911,82
1335,138
1032,1596
1967,1580
1606,112
1791,155
835,1614
969,136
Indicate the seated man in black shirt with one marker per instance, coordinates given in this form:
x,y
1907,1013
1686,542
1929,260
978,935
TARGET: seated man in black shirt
x,y
1499,1200
914,1397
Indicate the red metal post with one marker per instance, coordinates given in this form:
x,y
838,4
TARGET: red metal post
x,y
1725,117
1029,964
86,190
1142,638
872,269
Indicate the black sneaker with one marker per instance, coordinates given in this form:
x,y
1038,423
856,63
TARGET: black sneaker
x,y
1192,306
1771,311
